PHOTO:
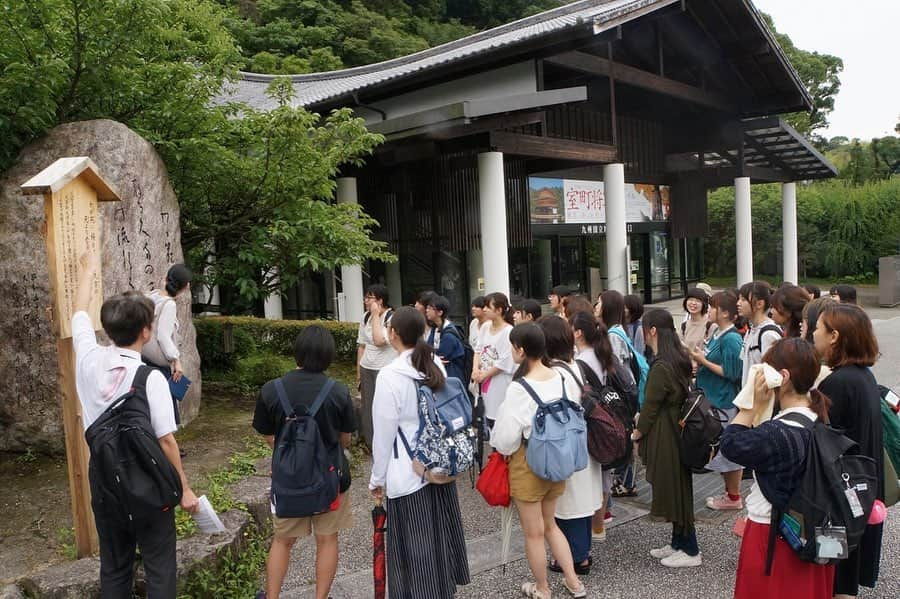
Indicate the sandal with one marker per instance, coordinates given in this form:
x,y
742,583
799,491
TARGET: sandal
x,y
576,593
580,569
530,590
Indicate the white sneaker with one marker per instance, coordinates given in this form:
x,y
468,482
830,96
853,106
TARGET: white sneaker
x,y
680,559
662,552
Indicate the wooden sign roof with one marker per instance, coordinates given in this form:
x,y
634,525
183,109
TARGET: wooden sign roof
x,y
64,171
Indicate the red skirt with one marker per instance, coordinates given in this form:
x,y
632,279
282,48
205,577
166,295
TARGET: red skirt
x,y
791,577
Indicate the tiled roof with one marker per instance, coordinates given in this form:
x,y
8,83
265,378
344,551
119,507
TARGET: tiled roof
x,y
315,88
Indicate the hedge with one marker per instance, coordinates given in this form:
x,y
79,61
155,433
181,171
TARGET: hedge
x,y
254,336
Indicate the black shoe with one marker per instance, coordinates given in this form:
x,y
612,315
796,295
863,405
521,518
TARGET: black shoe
x,y
580,569
183,453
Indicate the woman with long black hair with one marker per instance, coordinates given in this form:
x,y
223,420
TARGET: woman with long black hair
x,y
426,549
657,432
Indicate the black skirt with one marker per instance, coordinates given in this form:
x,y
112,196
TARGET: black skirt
x,y
426,547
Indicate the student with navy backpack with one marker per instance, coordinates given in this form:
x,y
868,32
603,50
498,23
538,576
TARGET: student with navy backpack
x,y
534,490
307,418
426,548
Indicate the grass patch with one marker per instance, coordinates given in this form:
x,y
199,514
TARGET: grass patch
x,y
237,576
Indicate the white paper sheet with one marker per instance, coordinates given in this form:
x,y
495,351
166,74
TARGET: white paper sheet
x,y
206,518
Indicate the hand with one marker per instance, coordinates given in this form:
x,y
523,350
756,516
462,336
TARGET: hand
x,y
376,308
189,501
636,435
176,370
697,355
377,494
760,391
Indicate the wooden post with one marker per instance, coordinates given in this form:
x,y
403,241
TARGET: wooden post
x,y
71,188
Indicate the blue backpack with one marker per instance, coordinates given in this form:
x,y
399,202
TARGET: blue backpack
x,y
557,447
638,363
444,442
305,479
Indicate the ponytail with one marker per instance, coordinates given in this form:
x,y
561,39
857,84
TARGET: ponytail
x,y
422,360
820,404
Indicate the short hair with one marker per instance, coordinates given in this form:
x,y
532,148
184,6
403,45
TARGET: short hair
x,y
558,336
425,297
532,307
573,304
813,290
811,312
856,343
847,293
727,301
380,292
699,295
560,291
478,302
314,348
125,316
440,304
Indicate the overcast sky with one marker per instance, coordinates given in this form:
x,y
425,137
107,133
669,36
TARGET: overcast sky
x,y
865,34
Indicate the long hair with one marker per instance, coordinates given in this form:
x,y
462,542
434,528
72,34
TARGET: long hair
x,y
856,343
800,359
597,336
409,325
499,302
669,348
635,306
789,300
558,338
529,337
612,308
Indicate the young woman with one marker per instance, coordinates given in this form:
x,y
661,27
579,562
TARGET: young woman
x,y
754,301
594,351
493,365
693,331
844,337
634,309
657,435
584,494
374,352
426,548
534,497
776,450
788,302
810,317
161,351
477,312
719,375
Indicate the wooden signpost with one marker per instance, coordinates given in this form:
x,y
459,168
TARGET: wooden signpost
x,y
71,188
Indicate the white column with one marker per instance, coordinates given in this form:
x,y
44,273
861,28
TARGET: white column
x,y
351,274
392,278
492,210
789,232
743,230
616,231
272,306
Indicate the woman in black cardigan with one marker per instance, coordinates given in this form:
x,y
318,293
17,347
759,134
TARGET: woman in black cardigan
x,y
844,337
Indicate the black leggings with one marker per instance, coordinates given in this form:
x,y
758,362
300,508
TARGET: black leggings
x,y
685,539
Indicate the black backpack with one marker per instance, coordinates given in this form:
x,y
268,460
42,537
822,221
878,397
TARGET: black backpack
x,y
700,430
128,470
837,490
769,327
305,475
469,358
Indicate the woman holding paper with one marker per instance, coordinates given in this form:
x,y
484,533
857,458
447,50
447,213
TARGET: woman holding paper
x,y
844,337
776,450
162,350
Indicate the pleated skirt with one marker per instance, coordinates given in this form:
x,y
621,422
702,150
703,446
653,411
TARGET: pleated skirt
x,y
426,547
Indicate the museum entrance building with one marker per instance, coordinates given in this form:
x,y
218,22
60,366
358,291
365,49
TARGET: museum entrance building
x,y
573,147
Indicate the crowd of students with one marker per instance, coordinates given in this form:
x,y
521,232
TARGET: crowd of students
x,y
516,362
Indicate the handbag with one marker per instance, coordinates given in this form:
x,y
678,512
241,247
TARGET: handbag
x,y
493,484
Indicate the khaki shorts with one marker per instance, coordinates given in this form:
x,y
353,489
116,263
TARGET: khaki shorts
x,y
322,524
524,485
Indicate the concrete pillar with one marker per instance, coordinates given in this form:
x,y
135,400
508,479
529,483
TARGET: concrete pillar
x,y
616,230
743,230
351,274
272,307
789,232
492,211
392,279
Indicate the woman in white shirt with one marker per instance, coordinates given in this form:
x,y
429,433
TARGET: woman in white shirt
x,y
584,491
493,365
535,498
754,301
426,548
374,352
477,312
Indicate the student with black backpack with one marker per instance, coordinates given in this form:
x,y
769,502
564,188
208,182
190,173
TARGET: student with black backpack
x,y
452,346
777,452
307,419
127,410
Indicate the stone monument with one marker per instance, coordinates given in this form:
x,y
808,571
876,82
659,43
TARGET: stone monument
x,y
141,238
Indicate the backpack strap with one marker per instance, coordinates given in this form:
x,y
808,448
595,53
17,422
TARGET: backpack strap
x,y
321,397
531,392
568,369
286,406
769,328
799,419
289,410
590,377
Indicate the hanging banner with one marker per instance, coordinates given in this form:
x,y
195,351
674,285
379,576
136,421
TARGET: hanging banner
x,y
575,201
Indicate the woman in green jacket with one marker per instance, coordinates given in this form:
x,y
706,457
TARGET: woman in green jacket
x,y
657,434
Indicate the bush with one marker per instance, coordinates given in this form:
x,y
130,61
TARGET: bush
x,y
258,339
254,371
